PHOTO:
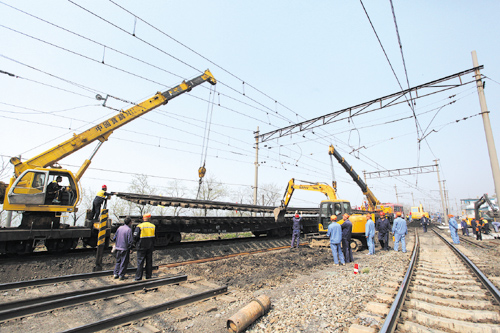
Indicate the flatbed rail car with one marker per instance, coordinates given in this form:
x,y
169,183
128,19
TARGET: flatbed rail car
x,y
56,239
169,228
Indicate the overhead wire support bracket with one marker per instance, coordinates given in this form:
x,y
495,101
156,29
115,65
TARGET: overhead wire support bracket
x,y
401,172
331,117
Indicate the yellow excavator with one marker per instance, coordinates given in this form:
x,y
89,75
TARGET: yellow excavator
x,y
29,192
332,206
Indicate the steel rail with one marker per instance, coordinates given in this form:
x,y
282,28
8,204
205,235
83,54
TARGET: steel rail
x,y
146,312
65,278
37,300
156,200
484,280
200,261
393,315
83,297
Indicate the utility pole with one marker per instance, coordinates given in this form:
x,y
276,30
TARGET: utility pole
x,y
441,192
446,197
495,169
256,181
397,198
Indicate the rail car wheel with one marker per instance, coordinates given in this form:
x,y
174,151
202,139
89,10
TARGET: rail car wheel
x,y
176,237
256,233
60,245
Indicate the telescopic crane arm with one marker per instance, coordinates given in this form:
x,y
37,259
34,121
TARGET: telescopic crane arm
x,y
373,202
103,130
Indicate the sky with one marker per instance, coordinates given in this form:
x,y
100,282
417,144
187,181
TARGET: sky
x,y
277,63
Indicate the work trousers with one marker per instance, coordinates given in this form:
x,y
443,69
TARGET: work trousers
x,y
479,235
96,210
424,226
122,260
384,241
346,248
371,245
144,256
465,231
399,238
337,253
454,236
295,237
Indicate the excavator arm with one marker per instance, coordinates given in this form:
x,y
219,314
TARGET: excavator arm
x,y
373,202
280,211
103,130
484,199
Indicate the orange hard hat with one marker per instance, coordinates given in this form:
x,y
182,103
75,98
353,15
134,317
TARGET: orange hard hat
x,y
346,216
398,213
450,215
333,217
382,213
146,216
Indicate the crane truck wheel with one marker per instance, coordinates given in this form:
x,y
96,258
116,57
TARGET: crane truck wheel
x,y
356,245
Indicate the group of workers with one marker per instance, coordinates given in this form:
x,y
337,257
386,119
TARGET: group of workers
x,y
340,236
142,239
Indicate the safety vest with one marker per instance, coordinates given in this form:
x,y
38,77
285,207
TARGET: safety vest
x,y
101,194
147,230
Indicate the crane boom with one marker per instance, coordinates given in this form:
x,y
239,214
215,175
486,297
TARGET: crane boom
x,y
373,202
103,130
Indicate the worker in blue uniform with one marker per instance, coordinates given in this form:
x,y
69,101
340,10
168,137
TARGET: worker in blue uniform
x,y
465,228
425,223
335,234
296,229
346,238
452,224
399,229
370,234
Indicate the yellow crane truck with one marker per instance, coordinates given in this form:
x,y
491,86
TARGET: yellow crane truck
x,y
27,189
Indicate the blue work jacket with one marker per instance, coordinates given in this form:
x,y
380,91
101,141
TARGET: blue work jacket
x,y
370,229
335,233
399,226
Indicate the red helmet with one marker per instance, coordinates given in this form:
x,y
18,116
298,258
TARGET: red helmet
x,y
297,215
104,187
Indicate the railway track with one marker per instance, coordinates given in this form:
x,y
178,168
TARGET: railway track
x,y
84,308
442,291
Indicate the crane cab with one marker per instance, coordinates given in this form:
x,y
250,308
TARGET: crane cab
x,y
42,193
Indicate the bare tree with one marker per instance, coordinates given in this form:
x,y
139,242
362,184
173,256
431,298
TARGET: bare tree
x,y
211,190
176,190
87,197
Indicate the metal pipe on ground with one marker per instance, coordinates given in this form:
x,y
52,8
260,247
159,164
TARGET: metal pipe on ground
x,y
250,313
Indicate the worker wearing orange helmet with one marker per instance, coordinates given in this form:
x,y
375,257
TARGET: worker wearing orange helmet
x,y
383,226
346,239
399,229
144,237
335,234
453,225
99,199
370,234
